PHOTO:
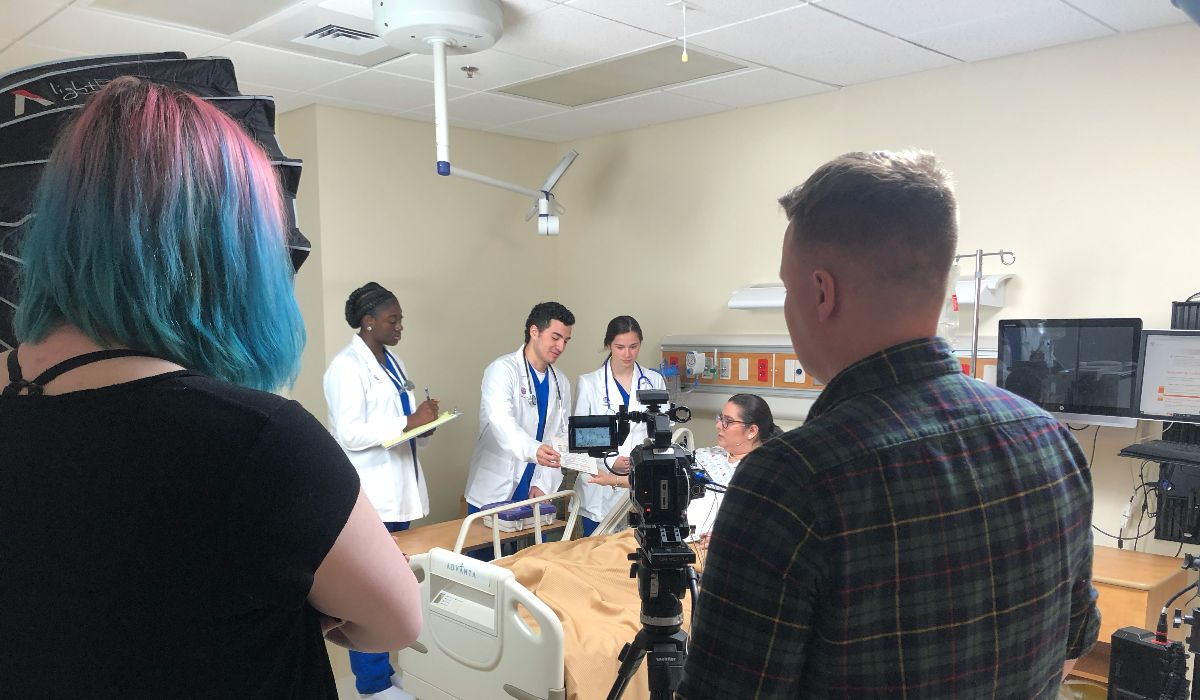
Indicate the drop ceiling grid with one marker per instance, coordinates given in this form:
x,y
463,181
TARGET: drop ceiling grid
x,y
1126,16
546,37
20,16
820,46
568,37
668,21
490,110
749,88
88,31
496,69
386,93
22,54
974,30
608,117
284,70
222,17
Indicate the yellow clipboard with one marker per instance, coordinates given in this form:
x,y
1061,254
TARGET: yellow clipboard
x,y
407,435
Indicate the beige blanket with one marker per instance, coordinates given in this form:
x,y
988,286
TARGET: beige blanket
x,y
586,582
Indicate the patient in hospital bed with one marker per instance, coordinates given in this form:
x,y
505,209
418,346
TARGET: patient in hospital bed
x,y
744,423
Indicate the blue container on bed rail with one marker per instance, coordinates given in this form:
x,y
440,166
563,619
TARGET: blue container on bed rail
x,y
521,517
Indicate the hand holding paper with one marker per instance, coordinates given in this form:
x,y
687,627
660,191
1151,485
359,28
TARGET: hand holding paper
x,y
570,460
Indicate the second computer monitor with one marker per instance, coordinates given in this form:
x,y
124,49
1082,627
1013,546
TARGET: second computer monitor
x,y
1169,377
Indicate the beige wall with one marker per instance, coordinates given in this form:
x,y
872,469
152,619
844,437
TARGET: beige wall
x,y
1080,159
463,262
297,132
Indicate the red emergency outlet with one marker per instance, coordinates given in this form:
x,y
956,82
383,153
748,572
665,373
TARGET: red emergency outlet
x,y
763,369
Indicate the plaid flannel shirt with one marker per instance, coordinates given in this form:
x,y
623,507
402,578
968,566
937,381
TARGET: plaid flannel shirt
x,y
922,535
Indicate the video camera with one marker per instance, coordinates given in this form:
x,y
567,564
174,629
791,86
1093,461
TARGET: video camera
x,y
663,480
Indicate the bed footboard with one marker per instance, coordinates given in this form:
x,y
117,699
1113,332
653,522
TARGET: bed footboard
x,y
483,635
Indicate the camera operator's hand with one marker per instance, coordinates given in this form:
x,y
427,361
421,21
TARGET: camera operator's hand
x,y
547,456
610,480
702,543
621,466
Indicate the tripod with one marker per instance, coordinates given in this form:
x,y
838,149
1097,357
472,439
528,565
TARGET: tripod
x,y
661,585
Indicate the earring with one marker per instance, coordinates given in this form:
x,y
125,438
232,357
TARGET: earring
x,y
369,328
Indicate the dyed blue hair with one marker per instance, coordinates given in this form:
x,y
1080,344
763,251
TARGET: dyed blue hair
x,y
158,226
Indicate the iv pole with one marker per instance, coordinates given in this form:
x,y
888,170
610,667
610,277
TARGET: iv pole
x,y
979,255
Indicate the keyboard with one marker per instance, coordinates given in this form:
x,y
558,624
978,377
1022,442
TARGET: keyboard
x,y
1164,451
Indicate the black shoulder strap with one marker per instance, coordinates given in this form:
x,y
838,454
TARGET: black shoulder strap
x,y
17,383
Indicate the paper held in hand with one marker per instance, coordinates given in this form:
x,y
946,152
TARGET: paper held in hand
x,y
571,460
407,435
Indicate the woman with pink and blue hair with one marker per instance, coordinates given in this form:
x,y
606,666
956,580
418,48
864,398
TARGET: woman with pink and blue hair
x,y
167,527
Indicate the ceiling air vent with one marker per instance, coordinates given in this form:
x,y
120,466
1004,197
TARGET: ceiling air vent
x,y
333,37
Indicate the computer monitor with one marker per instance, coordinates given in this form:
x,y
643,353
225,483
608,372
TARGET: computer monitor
x,y
1169,379
1081,369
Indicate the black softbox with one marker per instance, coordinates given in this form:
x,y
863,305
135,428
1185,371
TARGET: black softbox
x,y
36,102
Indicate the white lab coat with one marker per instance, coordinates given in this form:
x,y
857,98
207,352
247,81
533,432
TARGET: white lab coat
x,y
702,512
365,410
508,429
595,501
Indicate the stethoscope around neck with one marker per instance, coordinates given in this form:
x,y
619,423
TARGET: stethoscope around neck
x,y
638,385
531,392
392,369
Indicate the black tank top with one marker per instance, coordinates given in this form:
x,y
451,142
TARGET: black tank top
x,y
17,382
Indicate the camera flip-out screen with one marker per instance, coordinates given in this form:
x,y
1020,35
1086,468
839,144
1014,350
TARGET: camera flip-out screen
x,y
591,433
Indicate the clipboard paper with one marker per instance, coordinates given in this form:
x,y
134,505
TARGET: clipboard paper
x,y
407,435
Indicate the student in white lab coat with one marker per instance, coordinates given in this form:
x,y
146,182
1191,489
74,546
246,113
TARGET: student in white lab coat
x,y
371,399
603,392
525,403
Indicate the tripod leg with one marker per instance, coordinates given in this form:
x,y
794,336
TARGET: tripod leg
x,y
631,658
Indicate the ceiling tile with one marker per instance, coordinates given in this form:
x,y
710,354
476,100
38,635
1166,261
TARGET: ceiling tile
x,y
22,15
610,117
752,87
217,16
486,109
250,88
426,115
915,16
21,55
568,37
385,92
352,104
285,70
95,32
668,21
975,30
496,69
821,46
292,101
1127,16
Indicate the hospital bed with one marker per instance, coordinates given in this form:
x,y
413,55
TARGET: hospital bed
x,y
544,624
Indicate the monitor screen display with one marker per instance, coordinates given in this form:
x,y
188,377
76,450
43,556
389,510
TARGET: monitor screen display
x,y
1170,376
592,437
1083,366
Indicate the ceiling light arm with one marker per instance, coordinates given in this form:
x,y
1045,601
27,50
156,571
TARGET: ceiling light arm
x,y
442,137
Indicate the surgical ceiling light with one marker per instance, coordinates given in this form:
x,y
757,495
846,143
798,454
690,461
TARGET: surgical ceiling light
x,y
457,27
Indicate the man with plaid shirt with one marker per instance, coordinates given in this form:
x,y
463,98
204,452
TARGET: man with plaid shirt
x,y
923,534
